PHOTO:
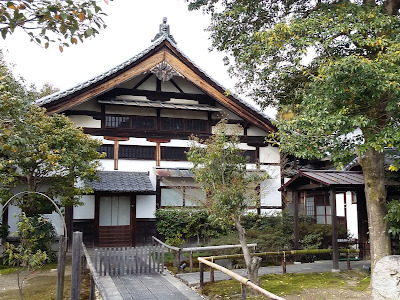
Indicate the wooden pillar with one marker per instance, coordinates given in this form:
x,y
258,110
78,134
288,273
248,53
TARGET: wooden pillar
x,y
116,154
158,148
76,266
116,147
335,247
295,199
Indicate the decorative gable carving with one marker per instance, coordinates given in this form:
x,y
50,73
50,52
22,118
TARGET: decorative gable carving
x,y
164,71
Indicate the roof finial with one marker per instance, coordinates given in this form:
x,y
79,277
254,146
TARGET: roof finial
x,y
164,31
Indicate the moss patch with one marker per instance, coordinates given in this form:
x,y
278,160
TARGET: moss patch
x,y
291,284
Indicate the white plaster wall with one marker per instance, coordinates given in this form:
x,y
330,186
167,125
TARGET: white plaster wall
x,y
85,211
57,222
269,155
132,82
225,112
85,121
231,129
90,105
131,110
255,131
170,113
187,86
352,216
131,97
149,84
168,87
244,146
13,213
270,212
145,206
269,192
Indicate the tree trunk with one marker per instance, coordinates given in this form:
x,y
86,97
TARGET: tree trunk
x,y
253,263
375,193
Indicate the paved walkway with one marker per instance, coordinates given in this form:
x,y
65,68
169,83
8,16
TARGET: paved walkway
x,y
193,279
147,287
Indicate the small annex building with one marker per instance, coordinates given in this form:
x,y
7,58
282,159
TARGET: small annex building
x,y
144,111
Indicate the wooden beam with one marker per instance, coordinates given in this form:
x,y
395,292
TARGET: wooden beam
x,y
107,85
116,147
335,246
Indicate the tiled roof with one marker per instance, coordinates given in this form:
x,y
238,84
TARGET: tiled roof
x,y
173,172
80,86
329,178
116,181
160,104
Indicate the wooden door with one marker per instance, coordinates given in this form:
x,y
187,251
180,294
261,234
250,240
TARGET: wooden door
x,y
115,221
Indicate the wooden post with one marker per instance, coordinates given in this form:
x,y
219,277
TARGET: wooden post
x,y
295,199
191,261
243,290
178,261
92,288
348,261
212,272
76,266
201,275
284,263
335,246
61,267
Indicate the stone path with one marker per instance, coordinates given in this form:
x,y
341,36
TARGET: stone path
x,y
147,287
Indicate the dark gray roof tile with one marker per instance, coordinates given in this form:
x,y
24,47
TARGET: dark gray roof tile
x,y
117,181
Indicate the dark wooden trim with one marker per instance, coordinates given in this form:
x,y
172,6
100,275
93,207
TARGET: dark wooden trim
x,y
95,114
295,199
96,219
158,192
158,89
142,81
133,220
177,86
126,132
103,116
335,246
158,120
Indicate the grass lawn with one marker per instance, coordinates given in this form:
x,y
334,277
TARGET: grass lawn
x,y
296,284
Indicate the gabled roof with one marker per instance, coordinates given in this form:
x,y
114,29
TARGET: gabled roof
x,y
162,50
328,178
122,182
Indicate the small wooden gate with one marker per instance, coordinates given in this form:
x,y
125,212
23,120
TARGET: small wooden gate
x,y
129,260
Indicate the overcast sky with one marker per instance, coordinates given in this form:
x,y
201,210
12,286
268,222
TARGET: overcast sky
x,y
131,25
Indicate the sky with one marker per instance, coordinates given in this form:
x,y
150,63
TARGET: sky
x,y
131,25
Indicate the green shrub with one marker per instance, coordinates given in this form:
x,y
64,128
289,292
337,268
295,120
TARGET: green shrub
x,y
179,224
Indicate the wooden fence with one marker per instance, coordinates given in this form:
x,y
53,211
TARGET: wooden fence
x,y
129,260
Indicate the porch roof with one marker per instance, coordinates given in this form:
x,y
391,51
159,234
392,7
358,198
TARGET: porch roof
x,y
160,104
173,172
328,178
123,182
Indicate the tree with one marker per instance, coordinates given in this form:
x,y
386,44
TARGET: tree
x,y
41,152
219,167
336,64
68,21
26,257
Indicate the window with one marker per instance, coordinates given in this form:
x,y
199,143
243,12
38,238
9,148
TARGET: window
x,y
173,153
115,211
130,152
250,156
187,125
108,149
137,152
182,196
319,207
133,122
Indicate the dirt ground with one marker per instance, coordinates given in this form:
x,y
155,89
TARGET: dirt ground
x,y
325,294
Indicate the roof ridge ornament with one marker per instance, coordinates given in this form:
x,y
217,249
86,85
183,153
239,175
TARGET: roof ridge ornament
x,y
164,31
164,71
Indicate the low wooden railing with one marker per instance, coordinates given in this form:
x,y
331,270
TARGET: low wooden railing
x,y
94,276
191,250
244,281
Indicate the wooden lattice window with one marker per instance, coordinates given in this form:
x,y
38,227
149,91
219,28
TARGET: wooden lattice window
x,y
173,153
